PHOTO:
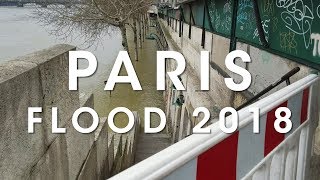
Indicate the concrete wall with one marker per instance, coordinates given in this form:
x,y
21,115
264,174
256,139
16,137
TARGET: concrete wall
x,y
36,80
41,80
265,69
124,148
109,156
64,158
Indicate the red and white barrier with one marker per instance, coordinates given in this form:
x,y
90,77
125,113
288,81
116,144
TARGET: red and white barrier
x,y
234,156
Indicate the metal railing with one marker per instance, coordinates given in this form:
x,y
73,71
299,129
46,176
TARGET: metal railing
x,y
161,35
243,154
158,36
284,78
287,161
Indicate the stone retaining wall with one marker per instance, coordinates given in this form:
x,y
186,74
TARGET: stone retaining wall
x,y
40,79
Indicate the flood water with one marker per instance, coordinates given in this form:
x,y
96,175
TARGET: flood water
x,y
20,34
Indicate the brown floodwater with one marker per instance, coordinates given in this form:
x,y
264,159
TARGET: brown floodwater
x,y
16,41
124,96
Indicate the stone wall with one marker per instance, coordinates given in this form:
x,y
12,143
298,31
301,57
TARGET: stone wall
x,y
36,80
124,148
40,79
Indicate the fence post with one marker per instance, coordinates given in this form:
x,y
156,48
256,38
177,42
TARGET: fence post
x,y
233,38
313,124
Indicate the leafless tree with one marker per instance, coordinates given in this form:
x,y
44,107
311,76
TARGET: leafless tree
x,y
93,19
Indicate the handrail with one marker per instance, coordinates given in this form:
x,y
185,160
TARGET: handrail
x,y
285,77
167,161
161,33
158,40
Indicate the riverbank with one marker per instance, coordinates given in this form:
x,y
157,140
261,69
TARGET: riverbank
x,y
16,41
34,37
43,82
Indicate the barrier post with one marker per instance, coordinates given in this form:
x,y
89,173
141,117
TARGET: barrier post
x,y
313,124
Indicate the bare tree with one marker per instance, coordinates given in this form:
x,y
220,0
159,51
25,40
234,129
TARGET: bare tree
x,y
93,19
137,29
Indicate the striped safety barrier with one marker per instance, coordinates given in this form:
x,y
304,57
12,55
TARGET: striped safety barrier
x,y
220,156
236,155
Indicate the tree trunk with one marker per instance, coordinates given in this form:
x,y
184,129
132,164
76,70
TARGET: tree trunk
x,y
148,22
124,37
135,39
140,34
143,28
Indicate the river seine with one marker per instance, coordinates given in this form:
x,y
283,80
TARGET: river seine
x,y
21,34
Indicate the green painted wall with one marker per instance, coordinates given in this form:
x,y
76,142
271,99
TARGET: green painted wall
x,y
292,27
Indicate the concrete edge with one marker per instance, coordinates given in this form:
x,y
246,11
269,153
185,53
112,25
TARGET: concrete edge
x,y
20,65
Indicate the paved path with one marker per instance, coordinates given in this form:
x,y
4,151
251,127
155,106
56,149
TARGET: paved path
x,y
150,144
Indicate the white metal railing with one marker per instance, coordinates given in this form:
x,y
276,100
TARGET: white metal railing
x,y
267,155
287,161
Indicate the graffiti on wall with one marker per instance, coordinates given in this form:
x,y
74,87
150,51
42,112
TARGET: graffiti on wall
x,y
288,42
265,26
316,42
268,7
275,22
290,26
245,18
244,15
315,37
298,18
221,22
214,16
227,13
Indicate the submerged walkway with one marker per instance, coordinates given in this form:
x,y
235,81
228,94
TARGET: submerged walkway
x,y
150,144
124,96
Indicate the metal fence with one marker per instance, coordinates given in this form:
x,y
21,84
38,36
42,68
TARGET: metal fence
x,y
243,154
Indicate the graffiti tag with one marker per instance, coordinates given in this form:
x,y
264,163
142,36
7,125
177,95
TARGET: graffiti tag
x,y
288,42
298,17
265,26
268,6
316,47
243,15
221,22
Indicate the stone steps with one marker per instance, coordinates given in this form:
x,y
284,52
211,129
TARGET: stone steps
x,y
150,144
